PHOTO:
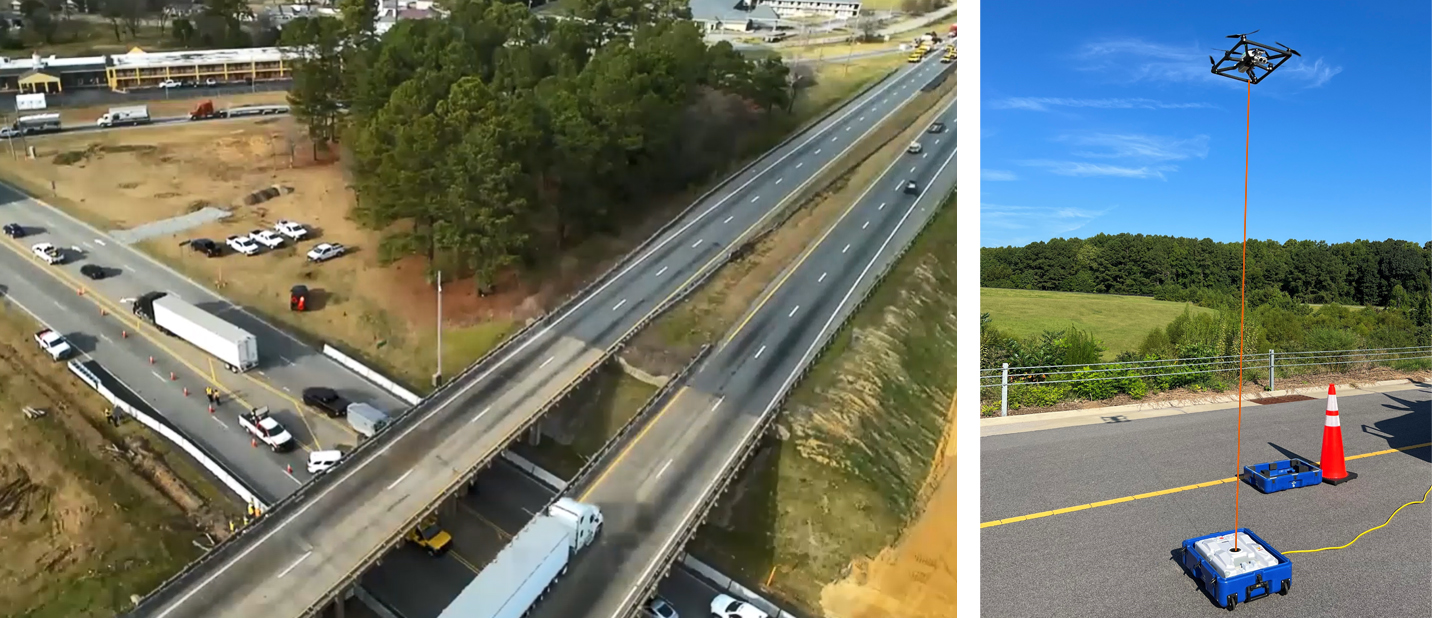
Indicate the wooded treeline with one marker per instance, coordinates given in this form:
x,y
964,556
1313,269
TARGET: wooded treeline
x,y
494,136
1381,273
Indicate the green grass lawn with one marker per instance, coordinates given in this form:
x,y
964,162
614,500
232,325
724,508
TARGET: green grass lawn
x,y
1119,322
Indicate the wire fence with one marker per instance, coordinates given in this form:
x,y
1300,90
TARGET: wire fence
x,y
1260,365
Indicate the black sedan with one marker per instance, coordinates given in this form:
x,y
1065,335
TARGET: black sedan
x,y
325,399
912,187
93,272
938,127
13,230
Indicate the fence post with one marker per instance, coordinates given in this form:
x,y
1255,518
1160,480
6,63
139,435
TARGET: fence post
x,y
1272,368
1004,391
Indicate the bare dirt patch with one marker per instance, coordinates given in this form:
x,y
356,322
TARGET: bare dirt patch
x,y
88,515
916,578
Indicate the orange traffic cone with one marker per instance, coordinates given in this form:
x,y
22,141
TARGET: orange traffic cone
x,y
254,442
1333,464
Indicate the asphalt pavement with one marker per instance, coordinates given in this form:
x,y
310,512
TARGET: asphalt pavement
x,y
1119,559
99,324
94,97
655,484
416,585
348,522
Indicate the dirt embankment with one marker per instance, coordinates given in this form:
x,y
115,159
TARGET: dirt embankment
x,y
89,514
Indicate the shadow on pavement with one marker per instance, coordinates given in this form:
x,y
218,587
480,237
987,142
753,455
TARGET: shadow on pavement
x,y
1414,427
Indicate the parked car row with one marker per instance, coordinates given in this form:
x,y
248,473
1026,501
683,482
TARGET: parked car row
x,y
255,241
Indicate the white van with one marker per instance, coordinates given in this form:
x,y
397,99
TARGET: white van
x,y
320,461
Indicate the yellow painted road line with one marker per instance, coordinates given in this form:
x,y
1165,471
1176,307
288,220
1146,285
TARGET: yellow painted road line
x,y
1165,492
471,511
142,328
212,375
464,561
631,444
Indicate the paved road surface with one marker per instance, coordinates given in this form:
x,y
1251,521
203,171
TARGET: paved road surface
x,y
157,122
418,586
346,524
287,366
1117,560
653,485
95,97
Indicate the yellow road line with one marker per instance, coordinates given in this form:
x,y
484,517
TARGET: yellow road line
x,y
141,328
471,511
631,444
1165,492
462,560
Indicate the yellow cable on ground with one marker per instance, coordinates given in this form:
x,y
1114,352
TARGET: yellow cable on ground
x,y
1354,540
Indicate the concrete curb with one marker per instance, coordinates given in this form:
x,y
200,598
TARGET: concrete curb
x,y
1090,416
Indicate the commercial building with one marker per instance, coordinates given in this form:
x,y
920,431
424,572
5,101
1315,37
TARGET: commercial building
x,y
732,15
836,9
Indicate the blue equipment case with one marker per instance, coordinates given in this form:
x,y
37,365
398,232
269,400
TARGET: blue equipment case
x,y
1229,592
1280,475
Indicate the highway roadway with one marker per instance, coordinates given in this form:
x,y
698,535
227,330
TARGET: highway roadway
x,y
349,521
1117,559
653,486
52,295
415,585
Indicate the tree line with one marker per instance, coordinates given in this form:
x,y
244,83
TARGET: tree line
x,y
492,137
1361,272
203,23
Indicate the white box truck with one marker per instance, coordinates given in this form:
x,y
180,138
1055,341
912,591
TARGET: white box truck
x,y
136,114
530,564
231,344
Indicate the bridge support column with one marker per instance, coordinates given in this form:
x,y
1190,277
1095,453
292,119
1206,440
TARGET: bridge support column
x,y
534,435
338,606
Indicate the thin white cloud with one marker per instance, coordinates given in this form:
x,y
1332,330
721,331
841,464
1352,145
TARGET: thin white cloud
x,y
1138,146
996,175
1044,104
1003,225
1135,60
1315,74
1082,168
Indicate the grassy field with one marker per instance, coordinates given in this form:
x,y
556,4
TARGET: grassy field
x,y
1120,322
849,513
89,514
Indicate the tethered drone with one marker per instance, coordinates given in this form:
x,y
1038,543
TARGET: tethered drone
x,y
1249,56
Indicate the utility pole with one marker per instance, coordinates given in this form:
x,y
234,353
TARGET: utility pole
x,y
438,377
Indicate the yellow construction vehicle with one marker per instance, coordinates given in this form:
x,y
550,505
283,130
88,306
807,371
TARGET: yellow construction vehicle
x,y
429,536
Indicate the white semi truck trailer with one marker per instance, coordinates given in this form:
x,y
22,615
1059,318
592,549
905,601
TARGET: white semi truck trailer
x,y
524,570
231,344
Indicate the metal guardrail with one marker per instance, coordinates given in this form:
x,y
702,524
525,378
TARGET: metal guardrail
x,y
1002,378
722,482
316,484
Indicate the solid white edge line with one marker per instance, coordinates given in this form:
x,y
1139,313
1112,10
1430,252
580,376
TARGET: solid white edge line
x,y
646,574
173,605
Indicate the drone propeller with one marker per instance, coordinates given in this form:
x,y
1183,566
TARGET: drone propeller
x,y
1212,61
1239,36
1290,50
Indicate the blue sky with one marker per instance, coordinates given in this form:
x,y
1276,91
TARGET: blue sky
x,y
1104,117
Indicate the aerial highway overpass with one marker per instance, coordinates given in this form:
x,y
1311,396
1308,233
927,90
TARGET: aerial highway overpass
x,y
655,489
327,534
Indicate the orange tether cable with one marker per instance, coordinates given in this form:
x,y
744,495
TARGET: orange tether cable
x,y
1242,309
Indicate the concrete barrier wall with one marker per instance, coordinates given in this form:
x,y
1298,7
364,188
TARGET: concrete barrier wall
x,y
373,376
163,429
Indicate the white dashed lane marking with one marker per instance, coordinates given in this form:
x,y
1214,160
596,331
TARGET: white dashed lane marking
x,y
759,352
793,311
728,219
663,269
822,277
847,248
867,224
619,305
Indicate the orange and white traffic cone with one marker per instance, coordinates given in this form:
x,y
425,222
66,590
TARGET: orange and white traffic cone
x,y
1333,464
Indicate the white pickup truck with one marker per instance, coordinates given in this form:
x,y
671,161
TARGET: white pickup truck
x,y
267,430
54,344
